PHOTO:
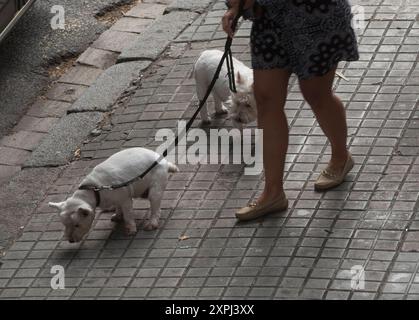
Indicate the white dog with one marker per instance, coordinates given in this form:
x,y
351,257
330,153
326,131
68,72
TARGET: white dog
x,y
77,213
243,104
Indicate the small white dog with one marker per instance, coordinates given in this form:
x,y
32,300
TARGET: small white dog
x,y
243,104
77,213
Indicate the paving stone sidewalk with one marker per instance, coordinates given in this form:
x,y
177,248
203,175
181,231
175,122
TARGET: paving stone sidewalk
x,y
309,252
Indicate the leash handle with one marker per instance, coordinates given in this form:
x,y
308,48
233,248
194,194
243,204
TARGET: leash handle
x,y
227,48
239,14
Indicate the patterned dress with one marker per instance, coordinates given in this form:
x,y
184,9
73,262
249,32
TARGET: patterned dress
x,y
309,37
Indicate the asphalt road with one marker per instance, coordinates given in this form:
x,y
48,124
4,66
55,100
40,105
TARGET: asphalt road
x,y
33,45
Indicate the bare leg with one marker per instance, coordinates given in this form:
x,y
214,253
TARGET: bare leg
x,y
330,114
271,93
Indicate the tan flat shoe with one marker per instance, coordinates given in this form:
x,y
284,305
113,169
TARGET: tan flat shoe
x,y
329,179
254,210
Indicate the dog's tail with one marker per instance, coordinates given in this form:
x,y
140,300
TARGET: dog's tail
x,y
172,168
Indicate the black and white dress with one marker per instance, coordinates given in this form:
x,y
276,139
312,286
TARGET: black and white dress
x,y
309,37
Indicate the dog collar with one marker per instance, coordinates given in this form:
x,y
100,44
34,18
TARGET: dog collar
x,y
95,191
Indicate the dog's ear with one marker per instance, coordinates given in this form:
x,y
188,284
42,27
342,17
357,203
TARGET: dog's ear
x,y
57,205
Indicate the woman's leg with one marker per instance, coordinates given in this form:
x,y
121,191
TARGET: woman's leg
x,y
330,114
271,92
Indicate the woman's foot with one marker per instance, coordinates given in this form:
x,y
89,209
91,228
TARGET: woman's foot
x,y
334,174
263,206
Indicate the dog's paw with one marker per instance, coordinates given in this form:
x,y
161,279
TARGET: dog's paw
x,y
131,229
117,217
151,225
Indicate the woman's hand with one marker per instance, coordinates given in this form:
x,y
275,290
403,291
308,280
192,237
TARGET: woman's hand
x,y
231,14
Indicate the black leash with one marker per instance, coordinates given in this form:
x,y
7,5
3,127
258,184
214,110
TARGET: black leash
x,y
228,57
230,69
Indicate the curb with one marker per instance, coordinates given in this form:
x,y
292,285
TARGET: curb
x,y
151,44
58,147
102,95
188,5
87,111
